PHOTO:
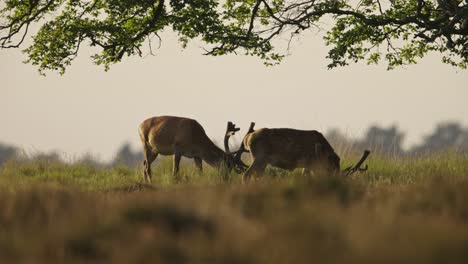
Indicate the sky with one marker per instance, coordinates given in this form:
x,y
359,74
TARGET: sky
x,y
88,110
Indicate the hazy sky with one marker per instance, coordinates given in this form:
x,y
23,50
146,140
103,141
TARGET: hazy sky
x,y
89,110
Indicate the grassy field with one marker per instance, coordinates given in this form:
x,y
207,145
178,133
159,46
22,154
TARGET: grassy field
x,y
403,210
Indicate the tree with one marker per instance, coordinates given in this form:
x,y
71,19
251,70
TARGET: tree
x,y
383,140
380,140
396,31
7,152
449,135
125,155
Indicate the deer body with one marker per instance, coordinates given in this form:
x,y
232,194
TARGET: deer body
x,y
178,136
289,149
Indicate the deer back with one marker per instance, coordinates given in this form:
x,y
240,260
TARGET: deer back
x,y
168,134
288,148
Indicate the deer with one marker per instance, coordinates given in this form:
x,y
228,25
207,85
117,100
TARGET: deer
x,y
184,137
289,149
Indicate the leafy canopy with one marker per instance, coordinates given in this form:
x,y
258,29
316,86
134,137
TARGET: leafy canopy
x,y
398,32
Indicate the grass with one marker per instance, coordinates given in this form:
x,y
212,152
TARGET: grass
x,y
404,210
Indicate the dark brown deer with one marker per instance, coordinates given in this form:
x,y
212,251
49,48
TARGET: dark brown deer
x,y
180,136
288,149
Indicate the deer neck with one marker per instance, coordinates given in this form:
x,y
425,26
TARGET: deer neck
x,y
213,155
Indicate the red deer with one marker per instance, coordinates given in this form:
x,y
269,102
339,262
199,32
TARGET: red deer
x,y
180,136
288,149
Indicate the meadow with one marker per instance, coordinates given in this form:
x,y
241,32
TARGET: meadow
x,y
402,210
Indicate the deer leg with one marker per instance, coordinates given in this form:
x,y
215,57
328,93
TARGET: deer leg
x,y
149,158
256,168
199,164
175,168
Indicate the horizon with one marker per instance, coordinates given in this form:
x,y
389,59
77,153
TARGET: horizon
x,y
91,111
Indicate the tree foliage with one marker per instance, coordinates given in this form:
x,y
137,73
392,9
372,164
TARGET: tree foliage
x,y
398,32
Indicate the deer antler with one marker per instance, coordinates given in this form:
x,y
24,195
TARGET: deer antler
x,y
352,169
242,147
251,128
230,131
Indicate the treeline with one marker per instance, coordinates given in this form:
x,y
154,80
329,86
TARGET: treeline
x,y
125,155
447,136
381,140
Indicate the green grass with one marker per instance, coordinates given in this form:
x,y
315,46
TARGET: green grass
x,y
383,171
403,210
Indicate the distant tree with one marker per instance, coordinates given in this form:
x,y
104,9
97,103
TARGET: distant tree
x,y
46,157
449,135
341,142
125,155
396,31
383,140
90,160
7,153
380,140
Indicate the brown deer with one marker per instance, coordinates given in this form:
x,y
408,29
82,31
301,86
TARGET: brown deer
x,y
180,136
288,149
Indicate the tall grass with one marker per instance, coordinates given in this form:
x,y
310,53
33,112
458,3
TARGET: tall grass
x,y
411,210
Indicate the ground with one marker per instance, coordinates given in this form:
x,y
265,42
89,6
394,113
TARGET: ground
x,y
403,210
